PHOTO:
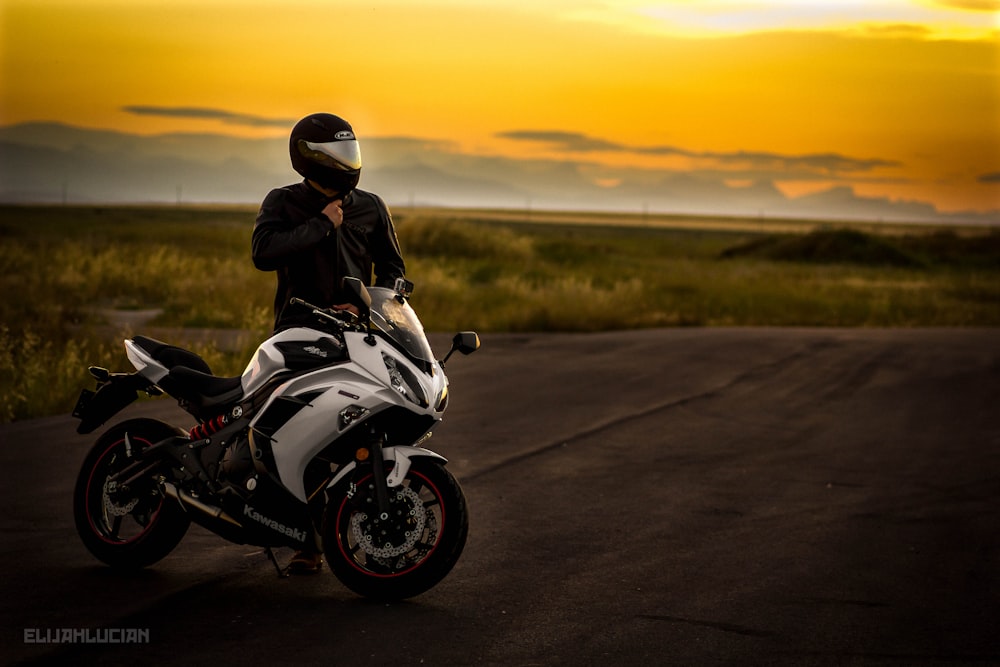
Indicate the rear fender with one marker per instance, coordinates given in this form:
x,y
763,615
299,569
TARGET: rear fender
x,y
401,456
113,395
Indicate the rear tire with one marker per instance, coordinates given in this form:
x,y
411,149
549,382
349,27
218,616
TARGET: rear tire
x,y
130,529
413,549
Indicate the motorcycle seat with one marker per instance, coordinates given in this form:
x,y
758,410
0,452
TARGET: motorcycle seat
x,y
171,356
190,377
204,390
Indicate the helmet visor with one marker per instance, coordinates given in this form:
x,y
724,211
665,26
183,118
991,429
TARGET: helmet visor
x,y
342,155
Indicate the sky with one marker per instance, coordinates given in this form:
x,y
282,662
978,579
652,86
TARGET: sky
x,y
892,98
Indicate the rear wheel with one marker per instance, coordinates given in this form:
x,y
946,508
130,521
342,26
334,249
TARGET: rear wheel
x,y
406,551
126,526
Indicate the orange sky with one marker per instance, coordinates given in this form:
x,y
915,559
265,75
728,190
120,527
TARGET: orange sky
x,y
908,89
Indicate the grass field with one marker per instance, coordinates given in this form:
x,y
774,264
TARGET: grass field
x,y
65,269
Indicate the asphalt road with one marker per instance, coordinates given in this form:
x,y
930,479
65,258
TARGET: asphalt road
x,y
671,497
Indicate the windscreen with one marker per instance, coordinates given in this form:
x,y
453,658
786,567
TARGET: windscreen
x,y
398,320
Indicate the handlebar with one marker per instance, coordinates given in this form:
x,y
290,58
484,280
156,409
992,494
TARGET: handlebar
x,y
296,301
339,317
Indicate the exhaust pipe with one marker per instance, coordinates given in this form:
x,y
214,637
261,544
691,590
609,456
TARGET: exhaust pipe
x,y
186,499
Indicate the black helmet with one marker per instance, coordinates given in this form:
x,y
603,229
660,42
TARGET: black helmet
x,y
323,149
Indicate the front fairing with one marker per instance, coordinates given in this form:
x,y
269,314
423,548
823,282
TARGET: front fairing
x,y
407,362
310,412
423,385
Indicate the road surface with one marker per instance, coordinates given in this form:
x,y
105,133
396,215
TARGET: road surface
x,y
668,497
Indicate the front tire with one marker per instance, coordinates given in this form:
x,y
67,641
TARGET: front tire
x,y
410,551
136,527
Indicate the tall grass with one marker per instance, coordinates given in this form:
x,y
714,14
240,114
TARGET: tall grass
x,y
63,268
537,278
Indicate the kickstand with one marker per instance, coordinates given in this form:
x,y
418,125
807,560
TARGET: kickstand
x,y
274,561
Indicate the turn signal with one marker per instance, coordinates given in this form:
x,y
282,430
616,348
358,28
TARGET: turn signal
x,y
361,455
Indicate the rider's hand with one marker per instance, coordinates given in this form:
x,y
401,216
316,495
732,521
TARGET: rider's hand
x,y
348,307
334,212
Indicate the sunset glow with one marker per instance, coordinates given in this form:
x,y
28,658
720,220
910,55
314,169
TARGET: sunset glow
x,y
906,91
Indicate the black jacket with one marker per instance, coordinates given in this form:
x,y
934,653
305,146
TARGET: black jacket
x,y
294,238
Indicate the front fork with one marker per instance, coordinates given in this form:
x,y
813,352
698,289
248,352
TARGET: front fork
x,y
378,472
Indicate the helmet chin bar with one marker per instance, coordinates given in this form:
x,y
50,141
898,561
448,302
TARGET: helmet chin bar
x,y
332,193
322,188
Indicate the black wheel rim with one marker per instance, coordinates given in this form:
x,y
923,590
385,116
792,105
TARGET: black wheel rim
x,y
116,517
398,544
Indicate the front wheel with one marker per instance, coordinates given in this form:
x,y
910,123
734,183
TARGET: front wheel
x,y
126,526
406,551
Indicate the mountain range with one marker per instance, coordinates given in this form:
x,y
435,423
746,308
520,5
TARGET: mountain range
x,y
53,163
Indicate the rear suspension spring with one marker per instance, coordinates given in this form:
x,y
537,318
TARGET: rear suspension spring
x,y
209,428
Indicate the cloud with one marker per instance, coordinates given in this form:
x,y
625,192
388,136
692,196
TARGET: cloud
x,y
736,17
896,31
831,163
970,5
204,113
108,166
827,163
566,141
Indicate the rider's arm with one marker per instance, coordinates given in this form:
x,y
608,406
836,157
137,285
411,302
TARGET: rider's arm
x,y
277,238
387,259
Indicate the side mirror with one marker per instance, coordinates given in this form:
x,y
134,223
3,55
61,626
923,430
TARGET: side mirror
x,y
357,295
465,342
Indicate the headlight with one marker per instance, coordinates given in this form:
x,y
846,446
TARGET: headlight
x,y
404,381
442,401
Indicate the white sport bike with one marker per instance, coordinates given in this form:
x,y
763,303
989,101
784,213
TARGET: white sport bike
x,y
318,445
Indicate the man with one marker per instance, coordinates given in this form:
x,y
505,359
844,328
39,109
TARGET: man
x,y
315,233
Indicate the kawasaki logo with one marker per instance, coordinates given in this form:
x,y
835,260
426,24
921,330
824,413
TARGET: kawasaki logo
x,y
294,533
312,349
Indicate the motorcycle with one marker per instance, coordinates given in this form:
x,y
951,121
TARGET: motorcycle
x,y
317,445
